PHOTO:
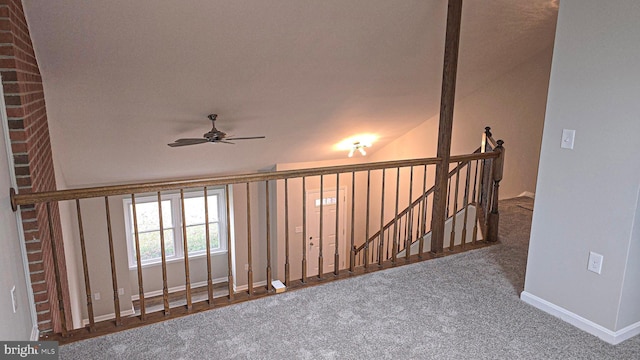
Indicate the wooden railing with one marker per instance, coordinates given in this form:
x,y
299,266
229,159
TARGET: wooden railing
x,y
271,226
482,178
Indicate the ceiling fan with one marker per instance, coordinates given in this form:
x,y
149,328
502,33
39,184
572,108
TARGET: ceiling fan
x,y
214,136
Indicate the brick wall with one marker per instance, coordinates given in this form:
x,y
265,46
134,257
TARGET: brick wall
x,y
31,147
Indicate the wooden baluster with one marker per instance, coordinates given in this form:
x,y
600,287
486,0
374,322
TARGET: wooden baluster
x,y
405,217
424,213
336,256
394,254
463,236
380,250
56,269
207,234
373,252
229,247
448,194
388,245
287,278
85,270
455,208
112,257
320,245
494,216
366,238
163,255
185,243
416,221
352,257
269,286
136,238
304,229
474,236
424,202
249,259
408,234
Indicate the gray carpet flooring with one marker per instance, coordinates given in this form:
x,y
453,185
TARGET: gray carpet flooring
x,y
464,306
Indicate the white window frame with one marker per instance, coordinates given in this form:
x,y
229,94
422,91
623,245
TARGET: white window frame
x,y
176,216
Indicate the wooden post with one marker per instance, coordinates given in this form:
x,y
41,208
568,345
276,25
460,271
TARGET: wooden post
x,y
494,215
449,73
56,267
485,177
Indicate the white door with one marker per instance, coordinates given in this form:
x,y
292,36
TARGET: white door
x,y
329,203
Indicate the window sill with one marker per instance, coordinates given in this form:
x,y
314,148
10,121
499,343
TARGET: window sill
x,y
176,260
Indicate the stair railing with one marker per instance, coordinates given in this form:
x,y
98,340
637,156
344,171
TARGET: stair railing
x,y
397,236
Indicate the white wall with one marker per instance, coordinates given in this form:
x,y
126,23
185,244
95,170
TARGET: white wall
x,y
18,325
586,198
513,105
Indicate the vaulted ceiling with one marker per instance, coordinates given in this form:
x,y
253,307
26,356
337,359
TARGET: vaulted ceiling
x,y
123,78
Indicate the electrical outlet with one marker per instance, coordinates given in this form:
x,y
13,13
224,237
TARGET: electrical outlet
x,y
96,296
121,291
595,262
246,267
14,301
298,229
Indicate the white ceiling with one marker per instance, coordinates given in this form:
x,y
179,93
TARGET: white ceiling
x,y
124,78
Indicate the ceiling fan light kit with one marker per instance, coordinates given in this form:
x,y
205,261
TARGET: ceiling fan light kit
x,y
359,147
213,136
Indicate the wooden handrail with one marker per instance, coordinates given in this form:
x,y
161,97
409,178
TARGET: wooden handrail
x,y
462,160
155,186
493,143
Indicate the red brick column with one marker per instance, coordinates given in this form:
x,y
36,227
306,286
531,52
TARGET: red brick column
x,y
31,147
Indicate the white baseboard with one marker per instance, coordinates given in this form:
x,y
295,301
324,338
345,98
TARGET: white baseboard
x,y
110,316
612,337
35,333
528,194
174,289
246,286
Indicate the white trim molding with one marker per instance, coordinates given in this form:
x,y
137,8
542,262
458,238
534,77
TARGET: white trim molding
x,y
148,294
35,333
528,194
612,337
123,313
246,286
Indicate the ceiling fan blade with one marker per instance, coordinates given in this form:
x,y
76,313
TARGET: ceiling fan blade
x,y
185,142
246,138
196,140
226,142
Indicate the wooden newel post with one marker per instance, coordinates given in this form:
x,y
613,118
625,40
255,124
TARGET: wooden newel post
x,y
485,136
494,215
485,174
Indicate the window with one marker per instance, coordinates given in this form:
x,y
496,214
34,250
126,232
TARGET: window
x,y
148,220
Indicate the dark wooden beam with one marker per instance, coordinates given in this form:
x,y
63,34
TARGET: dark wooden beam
x,y
449,73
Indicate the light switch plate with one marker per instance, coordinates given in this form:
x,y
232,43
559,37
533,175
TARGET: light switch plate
x,y
568,137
